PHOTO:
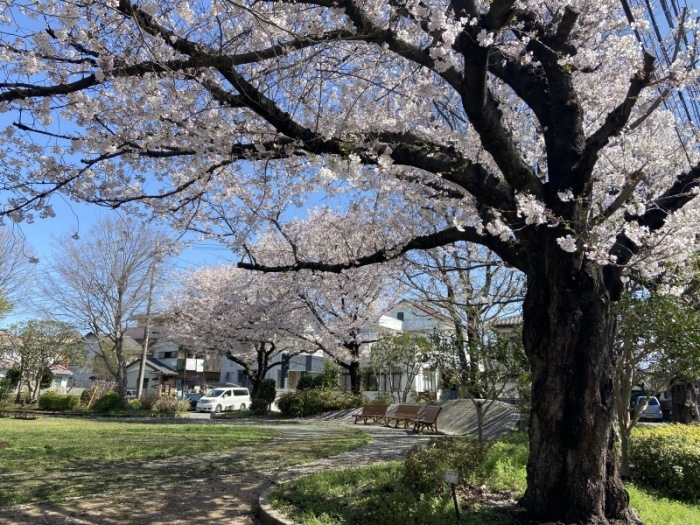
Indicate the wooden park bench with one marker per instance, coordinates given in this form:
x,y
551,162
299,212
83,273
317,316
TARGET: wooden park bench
x,y
21,414
375,413
427,419
403,414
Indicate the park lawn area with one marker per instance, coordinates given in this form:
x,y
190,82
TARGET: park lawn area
x,y
54,458
349,497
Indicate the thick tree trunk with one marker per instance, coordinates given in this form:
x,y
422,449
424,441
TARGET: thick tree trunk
x,y
353,369
685,407
572,469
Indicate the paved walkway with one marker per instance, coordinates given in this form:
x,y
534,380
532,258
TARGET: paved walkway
x,y
388,444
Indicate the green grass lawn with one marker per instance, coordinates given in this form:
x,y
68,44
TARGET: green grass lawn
x,y
377,495
54,458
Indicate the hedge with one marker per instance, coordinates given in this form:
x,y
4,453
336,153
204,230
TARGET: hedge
x,y
309,402
667,458
58,402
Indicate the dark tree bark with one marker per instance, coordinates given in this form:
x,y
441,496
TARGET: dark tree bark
x,y
572,469
353,369
685,403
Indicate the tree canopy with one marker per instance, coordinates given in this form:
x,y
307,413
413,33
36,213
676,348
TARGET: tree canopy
x,y
536,129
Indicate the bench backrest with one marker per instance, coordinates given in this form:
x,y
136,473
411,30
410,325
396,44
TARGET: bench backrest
x,y
430,414
407,411
374,410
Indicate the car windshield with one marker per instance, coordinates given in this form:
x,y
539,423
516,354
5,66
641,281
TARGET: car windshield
x,y
215,393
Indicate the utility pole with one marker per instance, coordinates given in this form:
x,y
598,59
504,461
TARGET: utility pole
x,y
147,328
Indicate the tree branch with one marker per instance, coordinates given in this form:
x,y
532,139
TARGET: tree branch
x,y
508,251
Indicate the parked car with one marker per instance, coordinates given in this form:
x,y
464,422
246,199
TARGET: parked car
x,y
193,398
225,398
653,409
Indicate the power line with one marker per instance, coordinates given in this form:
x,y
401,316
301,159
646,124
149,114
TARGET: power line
x,y
685,103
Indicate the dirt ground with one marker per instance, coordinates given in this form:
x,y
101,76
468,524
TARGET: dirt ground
x,y
231,500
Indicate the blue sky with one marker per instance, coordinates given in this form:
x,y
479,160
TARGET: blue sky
x,y
72,218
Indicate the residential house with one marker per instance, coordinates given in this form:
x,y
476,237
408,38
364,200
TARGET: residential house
x,y
159,378
419,319
192,369
94,367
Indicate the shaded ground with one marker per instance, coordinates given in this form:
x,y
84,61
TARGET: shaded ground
x,y
223,488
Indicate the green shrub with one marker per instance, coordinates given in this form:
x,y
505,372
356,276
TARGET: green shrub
x,y
172,404
86,395
308,402
259,406
305,383
109,402
382,398
58,402
329,378
667,458
424,397
267,390
148,401
424,468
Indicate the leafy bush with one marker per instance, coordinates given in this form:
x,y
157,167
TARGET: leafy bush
x,y
305,383
149,401
308,402
172,404
109,402
58,402
667,458
424,397
329,378
86,395
267,390
424,468
382,398
259,406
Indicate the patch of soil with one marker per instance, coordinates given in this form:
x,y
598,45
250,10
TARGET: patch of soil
x,y
230,500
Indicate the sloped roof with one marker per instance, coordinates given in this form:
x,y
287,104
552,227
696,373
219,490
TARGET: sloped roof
x,y
60,370
509,322
156,365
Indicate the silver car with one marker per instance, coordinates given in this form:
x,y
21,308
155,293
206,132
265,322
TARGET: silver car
x,y
652,412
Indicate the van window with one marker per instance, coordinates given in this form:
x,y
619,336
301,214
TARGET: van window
x,y
240,392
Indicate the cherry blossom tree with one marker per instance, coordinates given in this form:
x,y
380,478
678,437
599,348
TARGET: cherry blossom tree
x,y
247,317
536,129
341,309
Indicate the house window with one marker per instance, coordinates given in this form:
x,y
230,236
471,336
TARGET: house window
x,y
399,316
167,355
428,381
243,378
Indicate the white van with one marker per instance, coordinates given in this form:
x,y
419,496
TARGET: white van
x,y
224,398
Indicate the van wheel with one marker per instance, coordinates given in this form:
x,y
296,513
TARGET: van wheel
x,y
217,409
242,407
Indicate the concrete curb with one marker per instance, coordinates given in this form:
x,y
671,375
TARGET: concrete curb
x,y
269,516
